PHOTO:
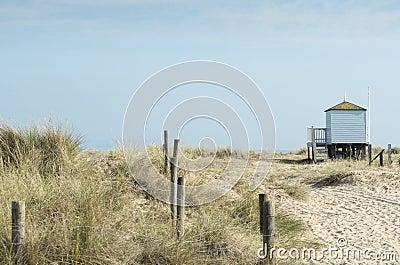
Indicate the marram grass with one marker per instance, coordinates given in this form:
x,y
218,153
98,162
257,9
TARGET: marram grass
x,y
84,207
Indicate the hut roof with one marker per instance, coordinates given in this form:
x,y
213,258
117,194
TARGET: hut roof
x,y
345,105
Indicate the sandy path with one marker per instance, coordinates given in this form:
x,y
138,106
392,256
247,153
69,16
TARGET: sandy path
x,y
366,213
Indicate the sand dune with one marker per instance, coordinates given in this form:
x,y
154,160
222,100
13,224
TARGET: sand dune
x,y
362,211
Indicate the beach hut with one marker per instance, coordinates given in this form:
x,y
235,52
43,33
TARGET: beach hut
x,y
346,130
345,134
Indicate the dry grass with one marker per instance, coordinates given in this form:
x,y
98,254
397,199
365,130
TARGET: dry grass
x,y
85,207
396,150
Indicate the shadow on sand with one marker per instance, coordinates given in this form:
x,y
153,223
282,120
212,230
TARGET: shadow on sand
x,y
293,161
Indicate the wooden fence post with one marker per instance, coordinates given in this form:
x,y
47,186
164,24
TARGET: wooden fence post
x,y
268,229
176,148
261,200
180,210
389,151
270,233
18,232
380,154
174,172
165,149
369,154
174,179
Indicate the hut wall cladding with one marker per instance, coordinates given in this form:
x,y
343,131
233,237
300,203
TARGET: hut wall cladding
x,y
346,126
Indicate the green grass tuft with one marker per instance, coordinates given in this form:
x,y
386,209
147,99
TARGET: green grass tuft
x,y
47,147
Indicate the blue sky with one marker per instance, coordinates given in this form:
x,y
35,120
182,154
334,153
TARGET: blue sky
x,y
79,61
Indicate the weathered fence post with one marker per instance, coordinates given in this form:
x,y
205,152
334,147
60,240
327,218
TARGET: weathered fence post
x,y
389,152
180,210
18,232
270,232
268,228
261,200
165,150
174,180
380,154
369,154
176,148
174,191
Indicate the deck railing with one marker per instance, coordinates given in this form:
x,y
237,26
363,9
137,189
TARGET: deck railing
x,y
318,135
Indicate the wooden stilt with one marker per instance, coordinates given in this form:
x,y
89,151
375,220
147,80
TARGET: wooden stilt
x,y
363,152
